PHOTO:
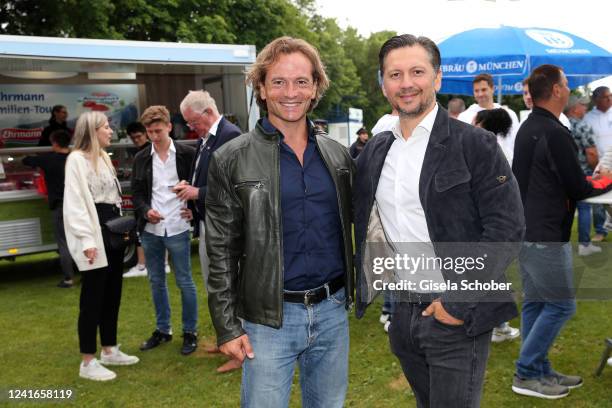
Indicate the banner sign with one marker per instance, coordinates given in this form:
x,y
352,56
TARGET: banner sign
x,y
25,110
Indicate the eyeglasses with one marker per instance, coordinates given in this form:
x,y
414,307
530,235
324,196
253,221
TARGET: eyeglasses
x,y
193,123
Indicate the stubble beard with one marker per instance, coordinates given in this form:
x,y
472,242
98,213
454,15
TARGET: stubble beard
x,y
418,111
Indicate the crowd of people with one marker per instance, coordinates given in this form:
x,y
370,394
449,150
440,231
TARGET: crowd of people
x,y
275,209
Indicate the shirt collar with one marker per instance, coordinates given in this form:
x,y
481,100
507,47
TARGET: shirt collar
x,y
426,124
269,128
215,126
172,148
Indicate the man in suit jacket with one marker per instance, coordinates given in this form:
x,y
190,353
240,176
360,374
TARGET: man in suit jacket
x,y
434,185
202,116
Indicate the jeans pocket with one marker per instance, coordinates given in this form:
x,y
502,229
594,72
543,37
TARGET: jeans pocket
x,y
446,326
339,297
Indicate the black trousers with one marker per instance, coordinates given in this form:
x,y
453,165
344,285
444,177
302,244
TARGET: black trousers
x,y
444,367
101,294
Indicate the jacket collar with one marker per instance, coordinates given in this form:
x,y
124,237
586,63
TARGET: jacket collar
x,y
546,113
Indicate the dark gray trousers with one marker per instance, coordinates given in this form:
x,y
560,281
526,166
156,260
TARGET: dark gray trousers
x,y
444,367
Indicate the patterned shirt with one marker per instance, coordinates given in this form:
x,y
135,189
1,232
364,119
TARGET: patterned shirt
x,y
584,138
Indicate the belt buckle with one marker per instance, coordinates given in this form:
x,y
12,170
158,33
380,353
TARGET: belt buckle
x,y
307,295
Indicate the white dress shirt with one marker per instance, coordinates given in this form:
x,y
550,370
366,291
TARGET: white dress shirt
x,y
601,122
163,200
399,203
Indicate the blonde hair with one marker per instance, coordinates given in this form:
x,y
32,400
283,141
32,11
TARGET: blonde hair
x,y
155,113
256,75
199,101
86,139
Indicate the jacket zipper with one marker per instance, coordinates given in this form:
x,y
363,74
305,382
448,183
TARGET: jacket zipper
x,y
281,283
255,184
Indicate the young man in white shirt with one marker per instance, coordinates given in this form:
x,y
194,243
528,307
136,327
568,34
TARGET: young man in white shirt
x,y
483,93
164,224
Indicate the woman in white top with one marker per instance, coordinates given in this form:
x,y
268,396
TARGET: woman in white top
x,y
92,197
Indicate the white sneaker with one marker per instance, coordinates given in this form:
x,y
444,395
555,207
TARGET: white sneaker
x,y
117,357
167,268
383,318
135,271
386,326
504,332
94,371
586,250
610,361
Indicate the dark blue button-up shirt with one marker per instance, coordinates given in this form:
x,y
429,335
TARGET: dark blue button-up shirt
x,y
312,232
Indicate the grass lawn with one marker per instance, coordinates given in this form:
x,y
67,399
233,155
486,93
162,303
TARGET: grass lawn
x,y
40,349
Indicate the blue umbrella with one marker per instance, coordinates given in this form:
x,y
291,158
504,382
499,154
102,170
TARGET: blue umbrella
x,y
511,53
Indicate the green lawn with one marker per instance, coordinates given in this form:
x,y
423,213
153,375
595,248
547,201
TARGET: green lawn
x,y
39,349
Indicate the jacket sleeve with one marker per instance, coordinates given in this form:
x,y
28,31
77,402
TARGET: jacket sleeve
x,y
77,219
564,158
139,185
497,199
224,245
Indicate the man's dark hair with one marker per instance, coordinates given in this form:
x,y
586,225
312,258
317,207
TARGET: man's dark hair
x,y
542,80
599,91
409,40
497,121
61,137
135,127
484,77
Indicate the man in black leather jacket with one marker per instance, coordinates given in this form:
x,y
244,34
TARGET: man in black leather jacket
x,y
278,235
435,186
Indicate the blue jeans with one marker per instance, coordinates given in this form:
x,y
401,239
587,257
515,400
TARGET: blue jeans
x,y
547,276
179,248
584,222
315,336
599,218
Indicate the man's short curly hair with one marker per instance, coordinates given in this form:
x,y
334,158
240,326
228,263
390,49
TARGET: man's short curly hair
x,y
256,75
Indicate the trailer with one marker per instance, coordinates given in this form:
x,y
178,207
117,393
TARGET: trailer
x,y
119,78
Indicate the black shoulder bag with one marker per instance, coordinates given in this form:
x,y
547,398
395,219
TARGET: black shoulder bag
x,y
122,229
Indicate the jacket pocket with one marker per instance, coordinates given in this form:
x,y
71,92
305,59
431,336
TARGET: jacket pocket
x,y
448,180
250,184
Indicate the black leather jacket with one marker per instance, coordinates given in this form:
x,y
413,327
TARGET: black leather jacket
x,y
244,232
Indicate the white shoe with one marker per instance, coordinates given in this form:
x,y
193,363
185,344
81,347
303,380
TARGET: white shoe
x,y
610,361
117,357
135,271
504,332
167,268
386,326
94,371
383,317
586,250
